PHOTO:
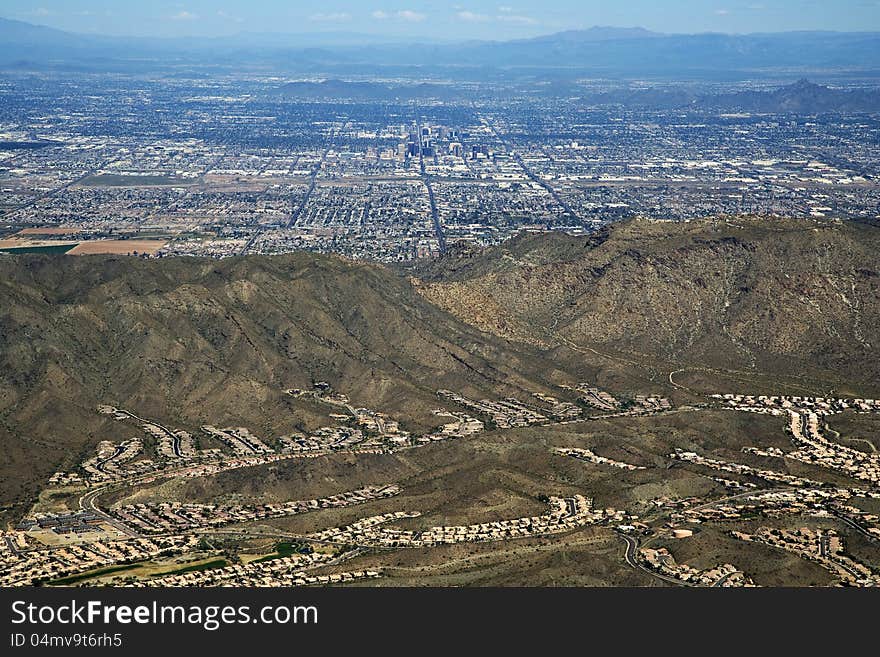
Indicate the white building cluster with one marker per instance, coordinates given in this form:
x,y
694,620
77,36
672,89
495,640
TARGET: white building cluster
x,y
565,515
172,517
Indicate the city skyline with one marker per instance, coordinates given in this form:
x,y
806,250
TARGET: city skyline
x,y
478,19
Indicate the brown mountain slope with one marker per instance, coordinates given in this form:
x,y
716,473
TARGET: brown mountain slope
x,y
781,297
192,342
195,342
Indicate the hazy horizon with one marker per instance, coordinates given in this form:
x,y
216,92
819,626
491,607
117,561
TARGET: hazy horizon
x,y
421,19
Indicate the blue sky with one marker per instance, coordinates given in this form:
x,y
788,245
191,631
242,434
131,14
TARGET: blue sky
x,y
499,19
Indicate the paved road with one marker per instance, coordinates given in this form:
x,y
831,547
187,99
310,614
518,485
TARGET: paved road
x,y
347,407
12,545
100,464
631,557
435,214
851,523
175,439
535,177
87,502
721,581
677,385
632,543
313,181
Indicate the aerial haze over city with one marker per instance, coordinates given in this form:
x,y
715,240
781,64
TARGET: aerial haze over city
x,y
555,294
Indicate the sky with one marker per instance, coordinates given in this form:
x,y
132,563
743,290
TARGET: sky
x,y
475,19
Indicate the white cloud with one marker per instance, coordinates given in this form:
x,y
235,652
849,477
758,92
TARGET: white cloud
x,y
407,15
229,17
411,16
518,20
722,12
471,17
39,12
334,17
503,17
185,16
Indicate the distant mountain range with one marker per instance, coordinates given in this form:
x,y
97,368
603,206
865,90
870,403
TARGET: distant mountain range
x,y
802,97
599,50
365,91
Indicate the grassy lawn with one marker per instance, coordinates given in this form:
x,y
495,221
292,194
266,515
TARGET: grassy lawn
x,y
73,579
61,248
208,565
283,549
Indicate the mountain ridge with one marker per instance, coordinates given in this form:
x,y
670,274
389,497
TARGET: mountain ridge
x,y
801,97
631,51
200,341
735,294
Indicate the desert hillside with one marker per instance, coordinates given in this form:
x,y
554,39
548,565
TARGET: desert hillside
x,y
782,296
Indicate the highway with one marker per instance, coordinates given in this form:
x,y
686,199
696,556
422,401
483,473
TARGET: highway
x,y
313,181
533,176
435,215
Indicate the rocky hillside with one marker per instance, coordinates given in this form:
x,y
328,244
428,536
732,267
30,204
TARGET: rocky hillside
x,y
775,296
203,342
195,342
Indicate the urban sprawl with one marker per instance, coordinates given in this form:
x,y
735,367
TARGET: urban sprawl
x,y
236,166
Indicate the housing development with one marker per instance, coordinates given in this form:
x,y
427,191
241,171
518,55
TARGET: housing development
x,y
78,534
